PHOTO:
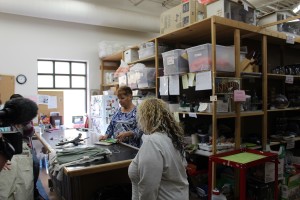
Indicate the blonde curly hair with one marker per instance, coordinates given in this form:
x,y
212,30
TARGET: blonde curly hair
x,y
153,115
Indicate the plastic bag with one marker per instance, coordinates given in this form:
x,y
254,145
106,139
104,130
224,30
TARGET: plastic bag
x,y
122,70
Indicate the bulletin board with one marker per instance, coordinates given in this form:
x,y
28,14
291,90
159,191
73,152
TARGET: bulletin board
x,y
60,103
7,87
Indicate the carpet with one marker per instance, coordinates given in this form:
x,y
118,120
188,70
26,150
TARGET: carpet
x,y
41,189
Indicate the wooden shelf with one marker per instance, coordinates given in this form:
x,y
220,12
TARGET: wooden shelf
x,y
285,109
282,76
252,113
147,88
114,57
110,84
226,27
151,58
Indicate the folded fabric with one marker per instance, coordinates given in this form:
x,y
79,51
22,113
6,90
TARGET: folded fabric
x,y
69,155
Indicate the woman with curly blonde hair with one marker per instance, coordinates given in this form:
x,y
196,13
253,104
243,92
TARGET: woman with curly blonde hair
x,y
158,170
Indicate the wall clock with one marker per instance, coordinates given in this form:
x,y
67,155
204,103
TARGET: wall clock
x,y
21,79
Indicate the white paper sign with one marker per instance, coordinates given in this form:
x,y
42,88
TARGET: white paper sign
x,y
203,81
174,85
164,85
289,79
52,104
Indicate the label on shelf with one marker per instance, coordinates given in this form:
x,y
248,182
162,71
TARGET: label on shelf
x,y
213,98
289,79
290,39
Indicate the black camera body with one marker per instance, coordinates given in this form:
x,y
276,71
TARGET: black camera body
x,y
6,149
15,139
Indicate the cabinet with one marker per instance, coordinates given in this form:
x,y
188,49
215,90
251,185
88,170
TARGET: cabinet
x,y
271,50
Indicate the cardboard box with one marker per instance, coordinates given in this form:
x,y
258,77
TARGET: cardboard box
x,y
200,11
288,27
291,188
229,9
178,17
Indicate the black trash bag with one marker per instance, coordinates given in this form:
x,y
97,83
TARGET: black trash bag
x,y
114,192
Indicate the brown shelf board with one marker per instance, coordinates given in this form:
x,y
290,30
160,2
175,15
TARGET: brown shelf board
x,y
285,109
109,67
147,88
114,57
151,58
281,76
197,113
110,84
251,113
226,115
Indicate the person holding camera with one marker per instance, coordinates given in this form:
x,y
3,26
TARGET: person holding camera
x,y
27,131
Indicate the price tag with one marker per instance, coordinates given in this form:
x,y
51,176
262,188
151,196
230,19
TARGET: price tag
x,y
213,98
289,79
290,143
193,115
290,39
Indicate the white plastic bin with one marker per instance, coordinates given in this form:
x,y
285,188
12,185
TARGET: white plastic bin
x,y
146,52
174,63
200,58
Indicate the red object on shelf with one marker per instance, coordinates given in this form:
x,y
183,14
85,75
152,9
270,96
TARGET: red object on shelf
x,y
86,124
253,158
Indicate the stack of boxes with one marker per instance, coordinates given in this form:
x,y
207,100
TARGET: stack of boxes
x,y
192,11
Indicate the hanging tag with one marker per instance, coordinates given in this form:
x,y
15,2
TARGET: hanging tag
x,y
194,115
290,39
289,79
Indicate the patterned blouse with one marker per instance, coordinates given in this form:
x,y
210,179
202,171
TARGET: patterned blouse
x,y
122,122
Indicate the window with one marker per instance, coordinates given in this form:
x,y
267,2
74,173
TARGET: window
x,y
69,77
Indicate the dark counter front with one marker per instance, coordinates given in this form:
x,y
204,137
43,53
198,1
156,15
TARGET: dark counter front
x,y
83,181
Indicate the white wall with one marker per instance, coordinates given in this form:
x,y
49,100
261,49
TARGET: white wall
x,y
23,40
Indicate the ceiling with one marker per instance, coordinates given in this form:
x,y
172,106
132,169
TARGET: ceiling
x,y
139,15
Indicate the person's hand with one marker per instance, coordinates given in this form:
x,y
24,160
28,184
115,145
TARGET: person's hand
x,y
123,135
103,137
7,166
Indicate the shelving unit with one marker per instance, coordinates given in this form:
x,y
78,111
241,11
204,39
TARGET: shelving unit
x,y
218,30
109,63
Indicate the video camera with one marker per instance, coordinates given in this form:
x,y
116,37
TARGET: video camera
x,y
16,111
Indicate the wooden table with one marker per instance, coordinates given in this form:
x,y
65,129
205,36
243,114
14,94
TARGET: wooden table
x,y
83,181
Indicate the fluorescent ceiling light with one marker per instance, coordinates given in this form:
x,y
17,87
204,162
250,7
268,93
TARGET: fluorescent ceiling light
x,y
295,10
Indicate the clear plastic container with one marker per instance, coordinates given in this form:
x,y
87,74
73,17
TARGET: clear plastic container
x,y
146,78
146,52
200,58
174,63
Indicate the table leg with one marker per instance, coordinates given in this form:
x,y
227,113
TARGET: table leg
x,y
209,178
243,184
276,180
